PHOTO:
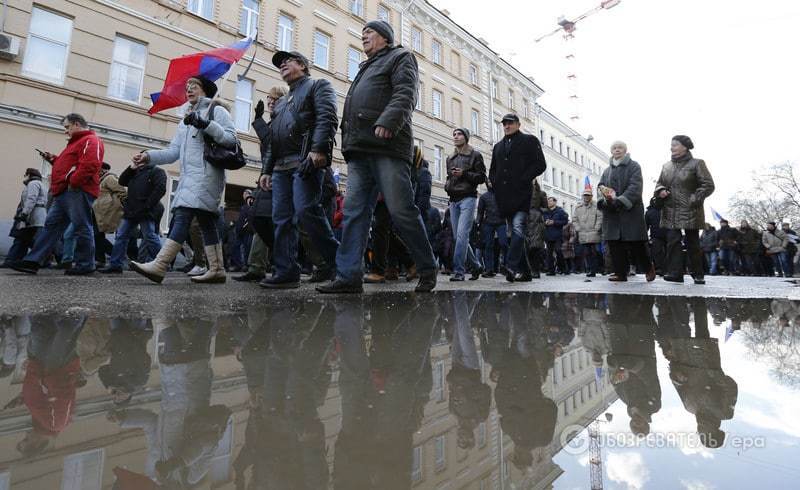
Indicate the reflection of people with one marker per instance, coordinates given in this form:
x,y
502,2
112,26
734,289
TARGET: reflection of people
x,y
129,366
632,360
695,369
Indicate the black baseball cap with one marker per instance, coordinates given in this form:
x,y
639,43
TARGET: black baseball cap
x,y
281,56
510,117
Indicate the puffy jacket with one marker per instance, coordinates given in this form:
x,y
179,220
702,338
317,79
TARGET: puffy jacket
x,y
689,183
201,184
146,186
78,166
383,93
513,169
108,206
552,233
470,161
32,203
749,241
709,240
488,212
309,107
728,237
776,242
588,221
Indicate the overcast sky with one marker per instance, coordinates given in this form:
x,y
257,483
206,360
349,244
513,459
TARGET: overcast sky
x,y
723,72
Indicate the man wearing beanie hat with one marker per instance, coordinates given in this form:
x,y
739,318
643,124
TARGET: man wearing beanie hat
x,y
378,145
465,172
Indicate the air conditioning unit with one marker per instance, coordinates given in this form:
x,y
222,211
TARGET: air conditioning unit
x,y
9,46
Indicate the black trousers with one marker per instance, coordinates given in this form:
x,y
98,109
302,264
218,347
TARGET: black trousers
x,y
388,249
620,251
675,265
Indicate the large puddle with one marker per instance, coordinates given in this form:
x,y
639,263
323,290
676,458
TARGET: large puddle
x,y
454,390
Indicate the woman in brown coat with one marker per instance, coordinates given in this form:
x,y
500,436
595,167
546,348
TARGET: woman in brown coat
x,y
682,187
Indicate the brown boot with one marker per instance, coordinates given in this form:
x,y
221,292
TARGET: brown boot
x,y
216,270
158,267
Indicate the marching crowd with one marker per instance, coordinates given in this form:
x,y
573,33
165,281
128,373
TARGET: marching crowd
x,y
383,226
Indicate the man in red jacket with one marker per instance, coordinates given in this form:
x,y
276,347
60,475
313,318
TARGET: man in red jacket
x,y
74,185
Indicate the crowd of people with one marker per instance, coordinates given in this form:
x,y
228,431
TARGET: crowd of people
x,y
383,225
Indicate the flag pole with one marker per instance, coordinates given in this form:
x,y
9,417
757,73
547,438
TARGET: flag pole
x,y
218,95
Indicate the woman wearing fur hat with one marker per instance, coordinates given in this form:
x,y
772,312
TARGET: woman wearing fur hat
x,y
29,217
682,187
201,184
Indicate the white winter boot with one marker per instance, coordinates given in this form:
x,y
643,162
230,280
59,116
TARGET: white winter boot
x,y
216,269
158,267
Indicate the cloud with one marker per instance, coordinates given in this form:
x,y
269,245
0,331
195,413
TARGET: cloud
x,y
628,469
696,485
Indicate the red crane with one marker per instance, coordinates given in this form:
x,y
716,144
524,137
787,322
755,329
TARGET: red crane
x,y
568,26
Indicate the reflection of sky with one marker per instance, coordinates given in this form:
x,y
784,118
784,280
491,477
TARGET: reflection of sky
x,y
764,408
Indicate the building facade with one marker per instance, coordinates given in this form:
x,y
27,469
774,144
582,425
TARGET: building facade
x,y
102,59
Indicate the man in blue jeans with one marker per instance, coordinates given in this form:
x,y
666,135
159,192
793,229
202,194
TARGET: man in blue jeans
x,y
146,185
378,144
74,185
491,225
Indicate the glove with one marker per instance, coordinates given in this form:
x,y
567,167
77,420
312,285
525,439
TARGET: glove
x,y
617,205
307,168
194,119
259,112
23,217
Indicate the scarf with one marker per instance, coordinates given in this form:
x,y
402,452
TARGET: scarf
x,y
684,158
616,163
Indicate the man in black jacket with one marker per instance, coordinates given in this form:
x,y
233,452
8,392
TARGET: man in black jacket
x,y
146,185
491,224
378,143
516,160
302,130
465,172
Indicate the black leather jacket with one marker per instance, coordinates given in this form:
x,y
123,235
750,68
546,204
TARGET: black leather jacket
x,y
470,161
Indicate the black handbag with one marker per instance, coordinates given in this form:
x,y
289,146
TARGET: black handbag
x,y
220,156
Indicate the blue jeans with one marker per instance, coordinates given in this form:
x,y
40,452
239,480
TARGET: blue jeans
x,y
462,215
366,176
488,233
72,206
296,205
126,232
517,246
781,263
728,258
182,220
68,244
712,259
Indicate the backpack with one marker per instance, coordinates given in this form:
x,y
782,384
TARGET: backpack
x,y
220,156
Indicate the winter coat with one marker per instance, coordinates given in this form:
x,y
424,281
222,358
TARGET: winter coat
x,y
433,224
728,238
689,183
552,233
32,210
201,184
652,218
78,166
49,394
309,107
488,212
749,241
568,240
146,186
422,194
534,228
775,243
588,221
709,240
108,206
623,218
470,161
383,93
512,172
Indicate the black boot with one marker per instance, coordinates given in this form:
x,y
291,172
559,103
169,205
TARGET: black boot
x,y
341,287
427,281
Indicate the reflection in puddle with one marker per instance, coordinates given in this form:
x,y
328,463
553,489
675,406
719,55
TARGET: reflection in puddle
x,y
472,390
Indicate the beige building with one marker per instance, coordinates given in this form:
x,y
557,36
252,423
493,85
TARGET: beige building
x,y
102,58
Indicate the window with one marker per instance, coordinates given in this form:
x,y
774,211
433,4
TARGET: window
x,y
244,101
581,160
438,366
436,52
438,161
473,75
541,135
48,46
383,13
455,64
353,60
439,451
497,130
552,142
357,7
493,88
248,24
322,47
555,175
577,191
436,110
560,148
420,97
561,183
285,33
569,152
416,39
475,122
127,70
571,189
546,176
510,98
455,109
416,464
203,8
83,471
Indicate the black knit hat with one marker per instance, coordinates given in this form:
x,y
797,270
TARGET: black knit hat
x,y
209,87
463,131
105,166
684,140
383,28
32,172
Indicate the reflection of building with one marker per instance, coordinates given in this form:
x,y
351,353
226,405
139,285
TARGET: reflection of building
x,y
102,58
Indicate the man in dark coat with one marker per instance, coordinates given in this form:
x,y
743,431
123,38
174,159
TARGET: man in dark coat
x,y
516,161
142,210
491,225
555,218
378,144
728,246
750,248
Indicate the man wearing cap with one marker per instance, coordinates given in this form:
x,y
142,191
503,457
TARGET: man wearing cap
x,y
516,160
302,130
588,221
465,172
378,144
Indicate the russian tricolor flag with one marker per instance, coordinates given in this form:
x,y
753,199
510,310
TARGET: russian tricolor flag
x,y
211,64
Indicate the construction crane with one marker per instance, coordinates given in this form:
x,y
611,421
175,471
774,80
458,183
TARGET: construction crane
x,y
568,27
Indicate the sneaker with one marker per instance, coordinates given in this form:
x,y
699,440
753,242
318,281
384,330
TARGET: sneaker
x,y
274,282
457,277
339,286
26,266
110,270
374,278
249,277
197,271
427,282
